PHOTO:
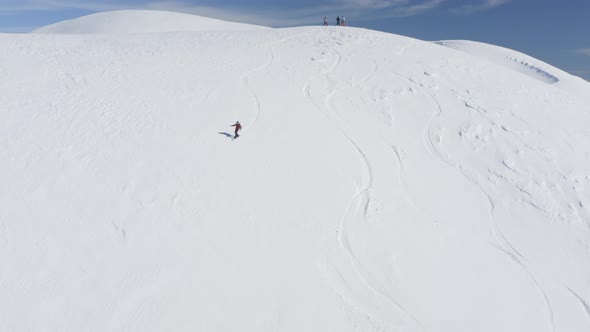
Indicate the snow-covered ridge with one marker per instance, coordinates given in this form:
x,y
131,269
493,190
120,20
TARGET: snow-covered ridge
x,y
141,21
514,60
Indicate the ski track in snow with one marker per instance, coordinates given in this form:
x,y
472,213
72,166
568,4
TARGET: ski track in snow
x,y
498,235
580,299
398,156
358,198
401,177
244,78
374,69
504,245
483,112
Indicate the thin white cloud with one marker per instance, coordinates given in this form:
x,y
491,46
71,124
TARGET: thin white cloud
x,y
86,5
419,8
13,6
583,51
354,10
396,7
482,6
369,4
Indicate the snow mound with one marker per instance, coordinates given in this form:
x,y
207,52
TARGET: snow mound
x,y
381,183
508,58
141,21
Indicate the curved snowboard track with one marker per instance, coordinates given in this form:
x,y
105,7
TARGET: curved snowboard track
x,y
244,79
360,201
504,245
580,299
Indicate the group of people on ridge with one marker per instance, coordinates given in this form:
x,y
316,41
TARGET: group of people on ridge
x,y
339,20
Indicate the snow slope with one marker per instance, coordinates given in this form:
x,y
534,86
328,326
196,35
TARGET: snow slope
x,y
519,62
141,21
508,58
381,183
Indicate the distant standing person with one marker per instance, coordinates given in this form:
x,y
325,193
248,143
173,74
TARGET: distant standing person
x,y
343,21
238,128
325,21
338,20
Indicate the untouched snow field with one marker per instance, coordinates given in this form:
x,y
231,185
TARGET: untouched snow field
x,y
381,183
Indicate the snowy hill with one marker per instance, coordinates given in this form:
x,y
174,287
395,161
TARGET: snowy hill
x,y
141,21
519,62
381,183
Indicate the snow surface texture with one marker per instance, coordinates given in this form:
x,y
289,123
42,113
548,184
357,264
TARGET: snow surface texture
x,y
381,183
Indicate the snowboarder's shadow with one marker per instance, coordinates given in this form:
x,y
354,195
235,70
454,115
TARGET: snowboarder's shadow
x,y
228,135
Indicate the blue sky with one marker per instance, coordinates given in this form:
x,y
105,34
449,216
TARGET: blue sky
x,y
555,31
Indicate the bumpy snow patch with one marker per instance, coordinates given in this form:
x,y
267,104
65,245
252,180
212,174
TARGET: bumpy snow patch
x,y
141,21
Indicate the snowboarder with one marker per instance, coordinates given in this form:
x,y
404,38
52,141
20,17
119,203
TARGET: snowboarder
x,y
238,128
325,21
338,20
343,21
